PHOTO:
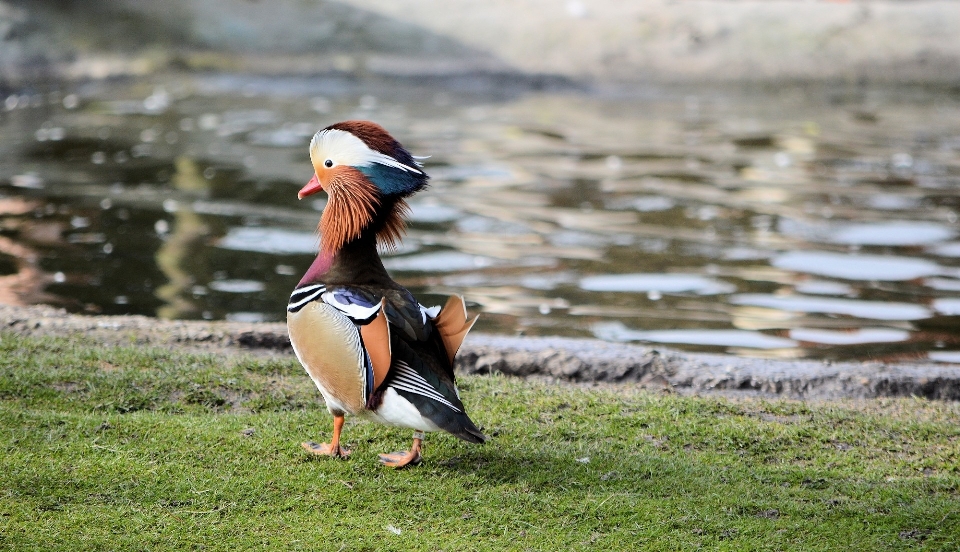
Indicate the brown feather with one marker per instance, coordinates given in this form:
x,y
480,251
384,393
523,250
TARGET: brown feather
x,y
394,225
376,340
453,325
373,135
351,206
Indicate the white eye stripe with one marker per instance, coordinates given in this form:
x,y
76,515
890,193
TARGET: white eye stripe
x,y
343,148
391,162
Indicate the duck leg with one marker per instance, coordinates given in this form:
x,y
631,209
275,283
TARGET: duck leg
x,y
332,448
401,459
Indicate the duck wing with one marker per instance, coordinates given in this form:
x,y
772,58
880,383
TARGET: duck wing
x,y
421,374
423,345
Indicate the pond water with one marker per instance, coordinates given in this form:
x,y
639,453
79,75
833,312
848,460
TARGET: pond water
x,y
804,222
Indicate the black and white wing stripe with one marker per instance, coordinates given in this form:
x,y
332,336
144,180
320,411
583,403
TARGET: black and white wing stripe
x,y
359,312
407,379
304,295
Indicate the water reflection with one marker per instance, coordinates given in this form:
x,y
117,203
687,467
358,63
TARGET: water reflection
x,y
857,267
440,261
756,222
655,284
269,240
182,244
868,310
823,287
615,331
891,233
896,233
849,337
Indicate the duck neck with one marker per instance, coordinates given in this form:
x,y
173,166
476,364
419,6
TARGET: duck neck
x,y
356,263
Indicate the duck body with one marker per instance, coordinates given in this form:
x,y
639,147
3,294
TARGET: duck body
x,y
374,351
370,347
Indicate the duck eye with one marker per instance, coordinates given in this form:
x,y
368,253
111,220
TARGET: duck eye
x,y
328,163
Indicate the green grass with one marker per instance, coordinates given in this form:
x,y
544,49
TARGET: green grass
x,y
106,448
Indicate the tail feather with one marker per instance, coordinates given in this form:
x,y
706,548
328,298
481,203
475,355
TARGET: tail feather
x,y
471,433
456,423
453,325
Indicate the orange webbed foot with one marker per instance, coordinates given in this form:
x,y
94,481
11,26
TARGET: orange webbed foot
x,y
325,449
402,459
333,448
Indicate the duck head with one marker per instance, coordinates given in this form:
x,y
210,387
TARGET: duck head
x,y
366,174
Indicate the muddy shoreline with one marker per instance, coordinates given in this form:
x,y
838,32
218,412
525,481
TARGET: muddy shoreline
x,y
583,361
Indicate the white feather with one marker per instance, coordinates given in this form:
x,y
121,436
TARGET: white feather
x,y
356,312
398,411
432,312
343,148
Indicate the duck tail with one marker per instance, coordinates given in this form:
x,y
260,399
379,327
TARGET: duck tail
x,y
470,432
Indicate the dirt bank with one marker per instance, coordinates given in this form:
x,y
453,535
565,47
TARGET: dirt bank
x,y
560,359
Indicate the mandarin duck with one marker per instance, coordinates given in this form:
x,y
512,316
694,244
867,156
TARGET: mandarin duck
x,y
371,349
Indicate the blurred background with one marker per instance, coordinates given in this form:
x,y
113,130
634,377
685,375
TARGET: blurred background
x,y
766,178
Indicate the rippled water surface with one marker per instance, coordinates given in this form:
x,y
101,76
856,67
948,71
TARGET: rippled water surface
x,y
801,222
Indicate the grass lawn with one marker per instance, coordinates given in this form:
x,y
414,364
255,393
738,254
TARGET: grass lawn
x,y
126,448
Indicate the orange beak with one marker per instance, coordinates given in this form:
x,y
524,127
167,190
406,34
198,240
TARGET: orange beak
x,y
312,187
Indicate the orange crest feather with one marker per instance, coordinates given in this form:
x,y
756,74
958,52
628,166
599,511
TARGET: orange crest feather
x,y
394,226
351,207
